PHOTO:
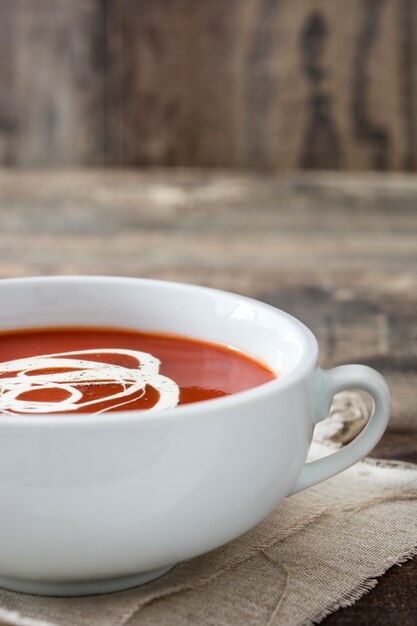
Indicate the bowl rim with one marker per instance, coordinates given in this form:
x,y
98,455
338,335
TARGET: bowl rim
x,y
306,364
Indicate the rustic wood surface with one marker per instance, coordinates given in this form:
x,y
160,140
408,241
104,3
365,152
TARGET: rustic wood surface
x,y
338,251
260,83
51,82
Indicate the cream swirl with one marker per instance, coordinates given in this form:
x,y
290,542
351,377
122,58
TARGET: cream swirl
x,y
133,380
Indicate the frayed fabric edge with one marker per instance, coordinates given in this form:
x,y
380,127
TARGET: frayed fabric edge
x,y
362,589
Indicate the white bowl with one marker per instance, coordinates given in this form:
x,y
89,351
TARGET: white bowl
x,y
92,504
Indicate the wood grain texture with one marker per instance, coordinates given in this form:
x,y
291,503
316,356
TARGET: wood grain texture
x,y
260,83
338,251
51,82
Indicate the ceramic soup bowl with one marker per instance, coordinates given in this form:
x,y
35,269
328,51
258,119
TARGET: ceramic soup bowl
x,y
99,503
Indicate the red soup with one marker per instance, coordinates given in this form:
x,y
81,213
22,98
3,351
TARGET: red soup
x,y
96,370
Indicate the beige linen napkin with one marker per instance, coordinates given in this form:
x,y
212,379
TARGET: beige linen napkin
x,y
319,550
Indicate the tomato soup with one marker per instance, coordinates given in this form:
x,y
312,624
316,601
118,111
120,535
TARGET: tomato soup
x,y
97,370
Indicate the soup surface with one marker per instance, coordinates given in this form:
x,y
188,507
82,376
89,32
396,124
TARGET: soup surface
x,y
96,370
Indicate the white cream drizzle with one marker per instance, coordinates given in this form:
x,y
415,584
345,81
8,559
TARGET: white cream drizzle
x,y
88,372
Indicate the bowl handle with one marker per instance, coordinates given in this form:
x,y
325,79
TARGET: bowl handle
x,y
326,383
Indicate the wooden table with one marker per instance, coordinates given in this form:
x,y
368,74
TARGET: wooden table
x,y
337,251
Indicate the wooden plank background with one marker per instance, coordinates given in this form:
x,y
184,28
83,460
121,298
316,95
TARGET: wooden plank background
x,y
273,84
